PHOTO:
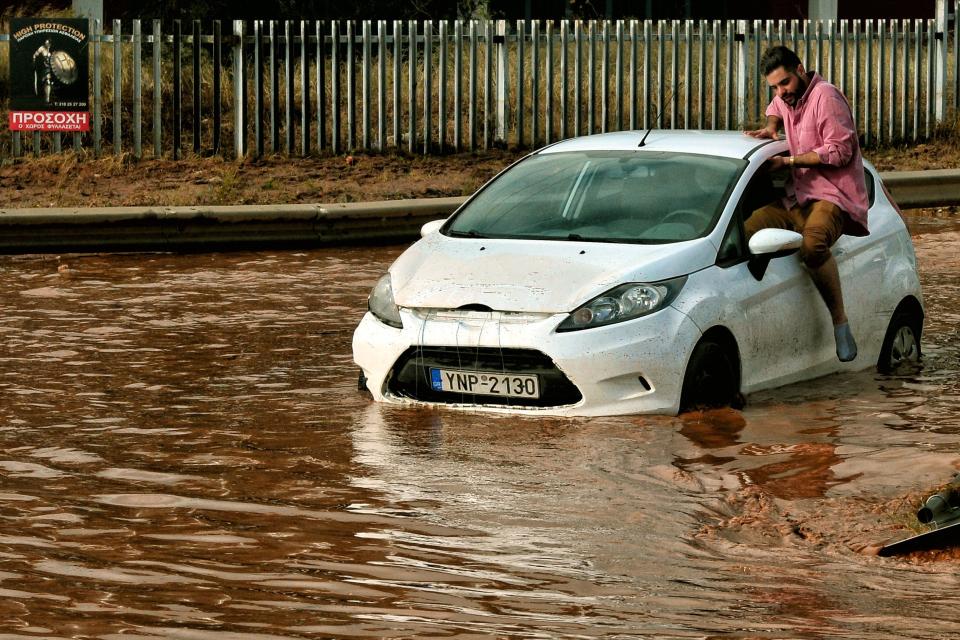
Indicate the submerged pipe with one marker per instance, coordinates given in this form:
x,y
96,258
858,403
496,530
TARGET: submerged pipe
x,y
942,510
943,506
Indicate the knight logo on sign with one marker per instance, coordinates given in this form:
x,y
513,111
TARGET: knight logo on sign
x,y
48,74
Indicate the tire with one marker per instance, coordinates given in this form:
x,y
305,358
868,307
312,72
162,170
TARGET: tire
x,y
712,378
901,344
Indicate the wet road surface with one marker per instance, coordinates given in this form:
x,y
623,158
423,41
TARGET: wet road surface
x,y
185,455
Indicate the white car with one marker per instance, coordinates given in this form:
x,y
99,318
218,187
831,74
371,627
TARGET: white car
x,y
609,274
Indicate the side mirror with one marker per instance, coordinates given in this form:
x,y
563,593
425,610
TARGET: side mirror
x,y
767,244
431,227
775,241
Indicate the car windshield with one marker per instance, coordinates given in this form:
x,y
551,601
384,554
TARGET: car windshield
x,y
608,196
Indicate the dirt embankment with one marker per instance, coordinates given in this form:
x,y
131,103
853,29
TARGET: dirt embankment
x,y
69,181
66,181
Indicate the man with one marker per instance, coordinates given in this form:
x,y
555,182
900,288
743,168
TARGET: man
x,y
43,70
827,196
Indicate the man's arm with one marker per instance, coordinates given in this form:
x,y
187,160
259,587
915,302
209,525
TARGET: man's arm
x,y
809,159
769,131
837,130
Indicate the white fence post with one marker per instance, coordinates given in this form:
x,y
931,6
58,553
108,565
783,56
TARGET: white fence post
x,y
157,97
743,32
137,92
940,81
503,71
97,73
239,102
117,87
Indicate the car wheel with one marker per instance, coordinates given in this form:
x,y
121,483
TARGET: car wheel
x,y
362,383
712,378
901,344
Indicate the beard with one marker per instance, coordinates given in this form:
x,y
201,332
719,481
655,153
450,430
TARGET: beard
x,y
793,97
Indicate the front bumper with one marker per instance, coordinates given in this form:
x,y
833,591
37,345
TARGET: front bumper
x,y
625,368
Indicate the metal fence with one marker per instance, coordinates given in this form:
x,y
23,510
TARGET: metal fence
x,y
241,88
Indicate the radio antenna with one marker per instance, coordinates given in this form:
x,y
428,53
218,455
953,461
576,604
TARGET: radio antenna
x,y
656,121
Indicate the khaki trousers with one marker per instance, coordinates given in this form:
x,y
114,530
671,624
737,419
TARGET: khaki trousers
x,y
819,222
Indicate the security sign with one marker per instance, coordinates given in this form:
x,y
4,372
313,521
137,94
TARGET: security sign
x,y
48,74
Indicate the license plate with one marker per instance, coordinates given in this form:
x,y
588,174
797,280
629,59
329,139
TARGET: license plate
x,y
485,383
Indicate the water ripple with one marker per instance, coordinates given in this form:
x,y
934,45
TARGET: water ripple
x,y
185,456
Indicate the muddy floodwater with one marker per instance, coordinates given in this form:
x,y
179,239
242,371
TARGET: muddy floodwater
x,y
184,454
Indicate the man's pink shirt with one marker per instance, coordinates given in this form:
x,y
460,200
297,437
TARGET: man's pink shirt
x,y
822,122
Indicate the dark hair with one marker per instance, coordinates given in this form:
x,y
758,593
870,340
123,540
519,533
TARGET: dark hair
x,y
776,57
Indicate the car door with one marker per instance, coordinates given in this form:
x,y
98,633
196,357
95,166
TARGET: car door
x,y
862,262
781,324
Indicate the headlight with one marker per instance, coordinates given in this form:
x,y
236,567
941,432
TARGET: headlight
x,y
626,302
381,303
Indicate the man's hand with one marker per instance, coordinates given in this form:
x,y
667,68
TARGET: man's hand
x,y
776,163
766,132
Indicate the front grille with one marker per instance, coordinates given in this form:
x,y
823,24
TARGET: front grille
x,y
410,376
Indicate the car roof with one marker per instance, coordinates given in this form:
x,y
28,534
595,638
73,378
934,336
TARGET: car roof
x,y
728,144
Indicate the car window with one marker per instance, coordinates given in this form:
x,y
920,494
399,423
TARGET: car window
x,y
734,245
617,196
764,187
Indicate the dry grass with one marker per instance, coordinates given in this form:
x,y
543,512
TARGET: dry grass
x,y
66,181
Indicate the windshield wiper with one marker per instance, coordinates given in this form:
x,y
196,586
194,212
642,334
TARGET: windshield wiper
x,y
576,237
472,233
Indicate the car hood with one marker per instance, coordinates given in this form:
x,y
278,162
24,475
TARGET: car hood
x,y
533,276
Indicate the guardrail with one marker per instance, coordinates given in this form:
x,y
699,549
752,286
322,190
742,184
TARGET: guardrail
x,y
234,227
215,227
918,189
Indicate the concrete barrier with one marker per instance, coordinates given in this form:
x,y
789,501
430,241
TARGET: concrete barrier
x,y
234,227
917,189
215,227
